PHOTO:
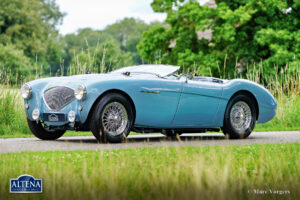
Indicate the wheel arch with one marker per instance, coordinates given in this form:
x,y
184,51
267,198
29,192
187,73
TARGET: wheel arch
x,y
248,93
105,93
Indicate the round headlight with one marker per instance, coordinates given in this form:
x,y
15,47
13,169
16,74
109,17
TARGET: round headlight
x,y
80,92
26,91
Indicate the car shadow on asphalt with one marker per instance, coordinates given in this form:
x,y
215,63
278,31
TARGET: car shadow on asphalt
x,y
158,138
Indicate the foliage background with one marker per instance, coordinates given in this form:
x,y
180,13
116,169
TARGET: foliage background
x,y
235,33
30,45
28,33
219,38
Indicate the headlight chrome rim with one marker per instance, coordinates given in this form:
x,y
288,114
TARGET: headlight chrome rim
x,y
26,91
80,92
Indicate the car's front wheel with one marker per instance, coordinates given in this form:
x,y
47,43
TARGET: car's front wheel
x,y
40,132
240,116
112,118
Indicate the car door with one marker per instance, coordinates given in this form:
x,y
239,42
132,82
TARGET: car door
x,y
156,102
198,104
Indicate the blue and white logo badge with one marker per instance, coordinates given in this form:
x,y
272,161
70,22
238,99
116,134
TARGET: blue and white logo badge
x,y
26,184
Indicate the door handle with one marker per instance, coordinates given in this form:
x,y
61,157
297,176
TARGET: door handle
x,y
150,91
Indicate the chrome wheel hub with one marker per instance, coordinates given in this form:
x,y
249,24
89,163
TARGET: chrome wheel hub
x,y
114,118
240,117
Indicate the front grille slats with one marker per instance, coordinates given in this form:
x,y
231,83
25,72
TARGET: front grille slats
x,y
58,97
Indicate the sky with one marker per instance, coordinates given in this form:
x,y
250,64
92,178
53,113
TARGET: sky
x,y
97,14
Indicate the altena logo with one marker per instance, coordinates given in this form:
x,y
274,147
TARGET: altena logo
x,y
26,184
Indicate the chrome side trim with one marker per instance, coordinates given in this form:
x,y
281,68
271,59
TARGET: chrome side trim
x,y
149,91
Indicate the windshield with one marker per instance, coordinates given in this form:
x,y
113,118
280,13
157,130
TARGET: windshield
x,y
160,70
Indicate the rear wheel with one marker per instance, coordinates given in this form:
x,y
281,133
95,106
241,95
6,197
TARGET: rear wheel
x,y
112,118
40,132
240,117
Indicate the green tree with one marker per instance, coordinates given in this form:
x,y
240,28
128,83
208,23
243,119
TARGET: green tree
x,y
119,41
94,51
30,26
242,31
82,40
104,57
128,33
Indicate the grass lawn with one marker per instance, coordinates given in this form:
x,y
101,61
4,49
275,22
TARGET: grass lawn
x,y
213,172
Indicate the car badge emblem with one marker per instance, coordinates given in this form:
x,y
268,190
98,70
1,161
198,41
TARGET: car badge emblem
x,y
53,118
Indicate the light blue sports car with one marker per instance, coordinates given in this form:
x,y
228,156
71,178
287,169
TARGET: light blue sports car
x,y
145,98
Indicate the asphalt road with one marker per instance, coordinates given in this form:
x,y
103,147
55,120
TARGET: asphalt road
x,y
145,140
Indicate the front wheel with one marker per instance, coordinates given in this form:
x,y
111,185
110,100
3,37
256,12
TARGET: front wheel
x,y
112,118
240,117
40,132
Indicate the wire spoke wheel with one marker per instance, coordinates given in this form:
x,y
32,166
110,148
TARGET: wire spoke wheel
x,y
114,118
240,117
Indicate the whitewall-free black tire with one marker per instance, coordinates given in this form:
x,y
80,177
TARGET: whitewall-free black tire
x,y
240,116
112,118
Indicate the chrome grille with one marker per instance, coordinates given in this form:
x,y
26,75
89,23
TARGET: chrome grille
x,y
58,97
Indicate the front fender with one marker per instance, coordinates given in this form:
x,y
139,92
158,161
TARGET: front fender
x,y
95,90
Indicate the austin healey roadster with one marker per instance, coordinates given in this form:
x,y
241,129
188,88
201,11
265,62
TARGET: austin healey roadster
x,y
145,98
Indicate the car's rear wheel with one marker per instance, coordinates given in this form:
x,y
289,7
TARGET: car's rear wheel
x,y
112,118
240,116
40,132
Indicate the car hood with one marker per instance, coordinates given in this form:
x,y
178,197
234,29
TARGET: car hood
x,y
73,81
